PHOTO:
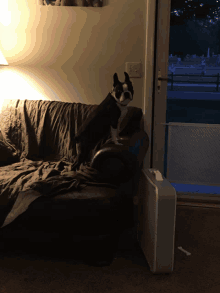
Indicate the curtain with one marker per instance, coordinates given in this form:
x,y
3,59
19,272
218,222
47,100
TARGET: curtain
x,y
86,3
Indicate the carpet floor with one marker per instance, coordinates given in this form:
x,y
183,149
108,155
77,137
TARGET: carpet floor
x,y
197,231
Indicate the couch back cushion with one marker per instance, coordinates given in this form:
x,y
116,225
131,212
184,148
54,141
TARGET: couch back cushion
x,y
40,129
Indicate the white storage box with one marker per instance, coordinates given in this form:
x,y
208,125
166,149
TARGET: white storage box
x,y
156,220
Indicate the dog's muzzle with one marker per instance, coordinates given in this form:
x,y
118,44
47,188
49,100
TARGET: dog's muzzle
x,y
125,98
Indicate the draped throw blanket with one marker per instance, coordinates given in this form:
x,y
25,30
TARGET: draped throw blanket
x,y
42,135
45,130
22,182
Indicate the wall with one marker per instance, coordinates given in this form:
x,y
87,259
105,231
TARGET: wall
x,y
70,53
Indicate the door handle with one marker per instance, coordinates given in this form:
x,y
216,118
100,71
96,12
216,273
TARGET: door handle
x,y
160,78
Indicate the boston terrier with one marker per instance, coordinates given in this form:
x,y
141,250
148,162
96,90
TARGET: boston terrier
x,y
123,93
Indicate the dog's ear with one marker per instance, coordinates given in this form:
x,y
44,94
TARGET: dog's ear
x,y
116,81
127,78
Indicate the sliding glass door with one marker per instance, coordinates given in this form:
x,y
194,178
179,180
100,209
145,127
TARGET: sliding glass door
x,y
186,96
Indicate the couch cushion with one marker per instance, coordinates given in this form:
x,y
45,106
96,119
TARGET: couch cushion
x,y
91,211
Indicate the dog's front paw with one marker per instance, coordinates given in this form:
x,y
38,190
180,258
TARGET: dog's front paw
x,y
118,143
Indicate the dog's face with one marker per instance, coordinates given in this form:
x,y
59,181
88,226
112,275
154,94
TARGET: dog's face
x,y
122,91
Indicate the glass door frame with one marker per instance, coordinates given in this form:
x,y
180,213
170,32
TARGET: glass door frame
x,y
155,99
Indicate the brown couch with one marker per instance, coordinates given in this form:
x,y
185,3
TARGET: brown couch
x,y
80,216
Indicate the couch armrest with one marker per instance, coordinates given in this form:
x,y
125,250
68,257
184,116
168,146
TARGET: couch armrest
x,y
119,163
138,144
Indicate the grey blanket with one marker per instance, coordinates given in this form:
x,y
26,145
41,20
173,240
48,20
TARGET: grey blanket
x,y
42,134
23,182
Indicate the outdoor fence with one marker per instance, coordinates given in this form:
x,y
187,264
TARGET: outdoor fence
x,y
193,153
194,81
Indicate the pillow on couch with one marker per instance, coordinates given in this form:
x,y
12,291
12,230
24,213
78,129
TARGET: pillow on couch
x,y
7,154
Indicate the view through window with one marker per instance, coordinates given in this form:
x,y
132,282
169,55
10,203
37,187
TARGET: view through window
x,y
193,96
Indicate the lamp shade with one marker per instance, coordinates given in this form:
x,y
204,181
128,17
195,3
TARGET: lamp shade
x,y
3,61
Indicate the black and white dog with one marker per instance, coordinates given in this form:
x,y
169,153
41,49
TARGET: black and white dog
x,y
123,93
115,107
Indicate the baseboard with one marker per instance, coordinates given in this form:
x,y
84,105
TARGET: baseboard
x,y
197,204
192,197
198,198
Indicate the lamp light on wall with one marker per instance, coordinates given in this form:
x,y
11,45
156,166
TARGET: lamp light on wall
x,y
3,61
24,81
